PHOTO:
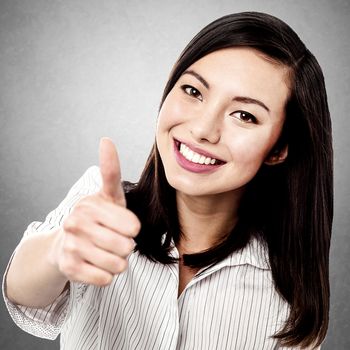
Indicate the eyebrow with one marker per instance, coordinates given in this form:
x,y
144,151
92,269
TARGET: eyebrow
x,y
243,99
198,76
246,99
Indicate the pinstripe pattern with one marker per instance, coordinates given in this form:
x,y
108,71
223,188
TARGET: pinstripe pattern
x,y
232,305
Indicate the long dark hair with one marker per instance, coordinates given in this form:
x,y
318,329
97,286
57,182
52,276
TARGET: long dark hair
x,y
288,206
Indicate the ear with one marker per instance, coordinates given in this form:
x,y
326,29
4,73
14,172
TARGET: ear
x,y
277,156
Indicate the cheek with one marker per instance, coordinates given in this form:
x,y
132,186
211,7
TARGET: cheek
x,y
172,113
168,117
252,148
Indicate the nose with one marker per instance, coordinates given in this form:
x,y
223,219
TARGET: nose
x,y
206,127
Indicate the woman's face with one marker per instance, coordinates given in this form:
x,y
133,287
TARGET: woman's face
x,y
220,121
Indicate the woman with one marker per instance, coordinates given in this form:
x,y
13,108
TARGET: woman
x,y
231,217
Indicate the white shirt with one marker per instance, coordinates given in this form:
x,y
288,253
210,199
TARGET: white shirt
x,y
232,305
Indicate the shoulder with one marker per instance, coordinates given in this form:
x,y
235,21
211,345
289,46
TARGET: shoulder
x,y
88,183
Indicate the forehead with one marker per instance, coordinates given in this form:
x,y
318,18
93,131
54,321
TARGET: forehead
x,y
247,71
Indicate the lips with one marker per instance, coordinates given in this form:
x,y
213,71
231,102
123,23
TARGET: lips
x,y
194,159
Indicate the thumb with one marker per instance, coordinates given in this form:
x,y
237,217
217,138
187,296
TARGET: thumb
x,y
110,171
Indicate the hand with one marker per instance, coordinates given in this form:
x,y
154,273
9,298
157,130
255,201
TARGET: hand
x,y
97,236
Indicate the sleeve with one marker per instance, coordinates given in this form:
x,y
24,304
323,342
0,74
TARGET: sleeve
x,y
47,322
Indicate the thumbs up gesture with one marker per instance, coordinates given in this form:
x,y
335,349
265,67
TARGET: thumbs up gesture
x,y
97,236
110,171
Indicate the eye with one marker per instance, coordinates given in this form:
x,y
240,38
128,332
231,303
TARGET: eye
x,y
244,117
191,91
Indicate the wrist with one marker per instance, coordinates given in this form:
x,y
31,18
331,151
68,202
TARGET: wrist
x,y
55,243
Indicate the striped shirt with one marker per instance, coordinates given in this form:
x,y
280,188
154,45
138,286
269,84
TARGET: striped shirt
x,y
231,305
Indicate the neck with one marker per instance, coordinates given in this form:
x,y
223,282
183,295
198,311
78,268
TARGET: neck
x,y
205,221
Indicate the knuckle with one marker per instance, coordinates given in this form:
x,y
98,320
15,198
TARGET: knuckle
x,y
126,247
89,201
129,246
84,206
135,227
121,265
71,224
113,265
104,279
68,269
70,246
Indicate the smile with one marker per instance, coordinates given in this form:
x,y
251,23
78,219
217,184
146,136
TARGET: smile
x,y
195,157
193,161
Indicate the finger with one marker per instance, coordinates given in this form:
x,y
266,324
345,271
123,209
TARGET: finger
x,y
119,220
101,259
81,271
94,211
83,250
77,252
90,274
110,172
110,241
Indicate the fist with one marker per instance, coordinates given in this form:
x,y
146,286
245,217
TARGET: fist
x,y
98,235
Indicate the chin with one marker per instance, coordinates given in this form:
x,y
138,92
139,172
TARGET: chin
x,y
191,188
186,186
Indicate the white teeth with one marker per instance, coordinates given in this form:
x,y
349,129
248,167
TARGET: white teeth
x,y
184,151
195,157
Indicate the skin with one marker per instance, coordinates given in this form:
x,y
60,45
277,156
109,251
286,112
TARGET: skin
x,y
97,236
91,246
203,110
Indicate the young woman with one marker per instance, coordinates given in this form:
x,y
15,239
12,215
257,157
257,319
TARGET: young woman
x,y
224,241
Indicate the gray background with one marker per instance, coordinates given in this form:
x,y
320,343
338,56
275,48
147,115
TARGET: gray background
x,y
73,71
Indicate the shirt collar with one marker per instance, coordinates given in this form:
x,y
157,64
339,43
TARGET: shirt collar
x,y
255,253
